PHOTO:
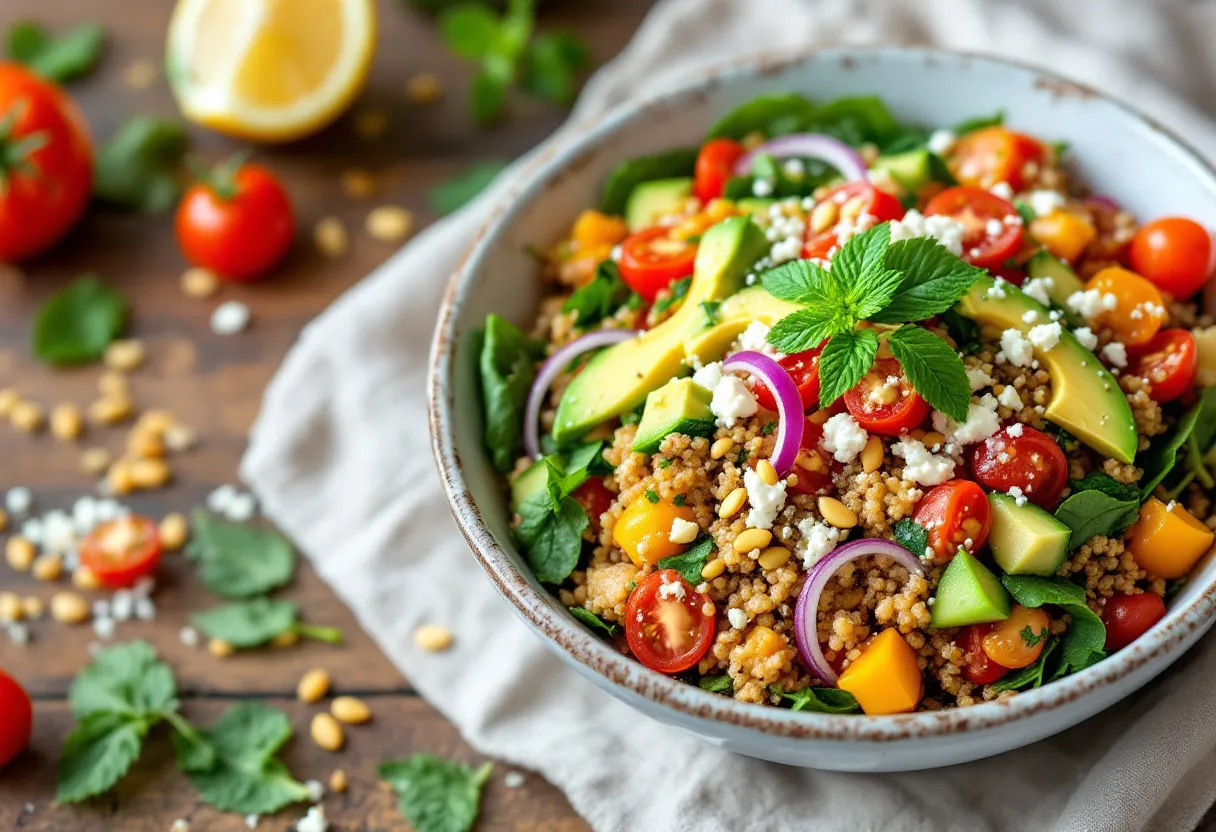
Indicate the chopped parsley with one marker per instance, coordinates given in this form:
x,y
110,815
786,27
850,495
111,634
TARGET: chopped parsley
x,y
681,500
768,428
1030,638
652,495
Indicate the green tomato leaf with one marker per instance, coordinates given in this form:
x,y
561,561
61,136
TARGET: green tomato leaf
x,y
819,700
436,795
934,369
633,172
593,621
689,564
248,623
469,29
450,196
61,58
76,324
126,679
236,560
140,167
933,279
98,752
847,357
507,363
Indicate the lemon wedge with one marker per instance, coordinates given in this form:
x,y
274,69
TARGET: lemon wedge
x,y
269,70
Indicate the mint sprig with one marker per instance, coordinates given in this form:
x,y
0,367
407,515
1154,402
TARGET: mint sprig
x,y
844,361
933,368
933,278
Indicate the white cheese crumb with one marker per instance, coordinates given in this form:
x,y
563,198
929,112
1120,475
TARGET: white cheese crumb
x,y
1009,398
982,421
314,821
1039,289
221,498
1002,189
18,633
946,230
1044,202
229,318
104,628
843,438
514,779
732,401
1115,354
1045,336
675,589
762,188
252,821
755,338
737,618
1015,429
940,141
180,825
818,539
1086,337
793,168
765,500
316,791
978,378
188,636
241,507
1016,348
682,531
921,466
1018,496
1029,316
18,500
1091,303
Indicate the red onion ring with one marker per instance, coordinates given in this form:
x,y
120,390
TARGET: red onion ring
x,y
1103,201
791,422
806,613
552,368
846,160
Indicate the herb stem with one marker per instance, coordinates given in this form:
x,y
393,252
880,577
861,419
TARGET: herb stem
x,y
182,727
332,635
1181,486
1196,459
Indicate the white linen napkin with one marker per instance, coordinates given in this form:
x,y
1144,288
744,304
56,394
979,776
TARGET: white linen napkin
x,y
341,461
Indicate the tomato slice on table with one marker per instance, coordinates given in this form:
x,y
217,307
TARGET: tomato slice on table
x,y
714,168
954,513
1168,363
814,466
854,199
122,551
665,622
884,401
990,155
1030,460
16,718
651,259
992,226
1174,253
1127,617
803,368
980,669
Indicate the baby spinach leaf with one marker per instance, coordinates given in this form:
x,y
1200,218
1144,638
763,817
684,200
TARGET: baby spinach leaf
x,y
819,700
236,560
593,621
1030,676
552,525
77,323
633,172
451,195
1084,643
1162,455
506,361
912,536
58,58
1095,512
857,120
140,167
600,298
717,684
978,122
1108,485
690,563
769,115
434,794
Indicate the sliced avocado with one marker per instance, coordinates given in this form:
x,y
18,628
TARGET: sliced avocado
x,y
1025,539
1064,281
530,482
736,312
679,406
968,593
658,198
754,205
618,378
1085,400
911,169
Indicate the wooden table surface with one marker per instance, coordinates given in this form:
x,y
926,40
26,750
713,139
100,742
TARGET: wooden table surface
x,y
214,383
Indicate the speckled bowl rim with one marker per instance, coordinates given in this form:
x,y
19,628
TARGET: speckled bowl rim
x,y
597,655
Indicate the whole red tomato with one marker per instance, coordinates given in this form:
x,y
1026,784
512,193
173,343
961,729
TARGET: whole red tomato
x,y
16,718
46,163
237,221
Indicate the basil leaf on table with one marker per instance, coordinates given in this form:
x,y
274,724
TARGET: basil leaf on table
x,y
593,621
57,58
821,700
506,360
236,560
689,564
253,623
77,323
140,167
633,172
434,794
1085,642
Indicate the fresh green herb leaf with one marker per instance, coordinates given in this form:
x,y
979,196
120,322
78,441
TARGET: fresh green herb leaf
x,y
978,122
964,331
1108,485
912,536
1025,212
586,460
551,66
600,298
552,524
631,417
664,463
819,700
1030,676
717,684
769,115
933,279
1030,638
861,259
507,363
652,495
469,29
629,174
1084,643
933,368
593,621
678,290
488,97
710,308
76,324
805,282
689,564
140,167
253,623
680,500
1162,456
98,751
768,429
847,357
236,560
450,196
1095,512
861,119
57,58
436,795
805,329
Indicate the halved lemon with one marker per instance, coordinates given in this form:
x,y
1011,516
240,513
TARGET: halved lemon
x,y
269,70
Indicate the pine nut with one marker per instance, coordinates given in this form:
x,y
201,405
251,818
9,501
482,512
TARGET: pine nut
x,y
47,567
200,283
713,569
156,421
19,552
110,410
732,503
751,539
327,732
125,354
10,606
721,447
66,422
180,438
768,474
220,648
150,473
433,637
851,209
872,455
330,236
389,223
313,686
337,781
118,478
357,183
350,710
9,397
31,606
69,608
113,385
27,417
837,513
145,444
933,439
84,578
773,557
823,216
173,529
424,88
285,639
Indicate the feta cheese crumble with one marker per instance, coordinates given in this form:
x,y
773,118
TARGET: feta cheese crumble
x,y
1009,398
765,500
1018,495
921,466
1086,337
1091,303
229,318
979,379
940,141
314,821
946,230
1002,189
1015,429
818,539
1038,288
1045,336
982,421
1115,354
737,618
732,401
1016,348
843,438
1044,202
682,531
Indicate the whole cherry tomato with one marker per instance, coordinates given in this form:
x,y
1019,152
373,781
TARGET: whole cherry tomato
x,y
651,259
803,368
595,498
666,624
955,513
122,551
1025,458
853,199
980,669
992,227
884,401
1168,363
1127,617
715,166
1174,253
16,718
237,221
984,157
46,163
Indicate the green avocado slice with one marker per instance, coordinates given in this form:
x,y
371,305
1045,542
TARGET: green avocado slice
x,y
679,406
1025,539
968,593
658,198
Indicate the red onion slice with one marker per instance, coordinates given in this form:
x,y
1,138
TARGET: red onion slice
x,y
1104,202
552,368
806,613
846,160
791,422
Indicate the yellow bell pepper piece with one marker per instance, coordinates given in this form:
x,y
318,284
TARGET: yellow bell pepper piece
x,y
1065,235
644,527
593,229
1167,540
885,678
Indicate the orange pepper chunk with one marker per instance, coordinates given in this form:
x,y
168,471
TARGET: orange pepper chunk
x,y
644,528
1065,235
593,229
1139,308
1167,540
885,678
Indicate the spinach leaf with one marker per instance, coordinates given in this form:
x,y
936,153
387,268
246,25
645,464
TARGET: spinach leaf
x,y
1162,455
600,298
98,751
1095,511
507,362
629,174
857,120
689,564
552,524
912,536
253,623
434,794
77,323
593,621
819,700
1084,643
770,115
1107,485
1030,676
236,560
964,331
978,122
717,684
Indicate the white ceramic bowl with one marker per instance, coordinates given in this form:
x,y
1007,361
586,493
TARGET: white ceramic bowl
x,y
1117,151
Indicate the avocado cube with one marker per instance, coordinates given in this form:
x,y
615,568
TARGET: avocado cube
x,y
968,593
679,406
1025,539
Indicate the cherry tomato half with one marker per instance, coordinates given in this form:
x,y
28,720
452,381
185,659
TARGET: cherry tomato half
x,y
884,401
853,199
992,227
651,259
16,719
715,166
122,551
1018,641
953,513
1168,363
803,368
990,155
595,498
1139,310
665,622
980,669
1127,617
1174,253
1030,460
814,466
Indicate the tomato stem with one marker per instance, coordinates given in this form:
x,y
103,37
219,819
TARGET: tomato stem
x,y
332,635
15,152
220,179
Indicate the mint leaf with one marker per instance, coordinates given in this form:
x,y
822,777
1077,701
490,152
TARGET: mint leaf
x,y
98,752
57,58
1084,643
469,29
125,679
77,323
804,330
593,621
717,684
934,369
805,282
912,536
600,298
434,794
451,195
933,279
140,167
689,564
847,357
821,700
873,291
861,255
236,560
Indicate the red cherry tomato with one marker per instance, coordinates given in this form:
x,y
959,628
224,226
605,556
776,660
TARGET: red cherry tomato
x,y
595,498
1174,253
814,465
665,622
994,154
16,719
803,368
1031,461
46,163
953,513
238,222
1127,617
884,401
715,166
122,551
1168,363
980,669
992,227
651,259
880,205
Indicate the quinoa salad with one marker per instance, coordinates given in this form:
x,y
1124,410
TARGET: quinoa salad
x,y
842,414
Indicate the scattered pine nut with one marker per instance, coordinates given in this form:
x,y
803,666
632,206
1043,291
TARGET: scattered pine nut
x,y
721,447
327,732
69,608
84,578
9,397
180,438
31,607
389,223
10,606
147,474
19,552
768,474
200,283
66,422
350,710
872,455
837,513
174,529
220,648
95,461
140,74
110,410
48,567
145,444
113,384
424,88
751,539
358,183
288,638
337,781
433,637
119,479
371,123
773,557
125,354
732,503
313,686
330,236
713,569
27,417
